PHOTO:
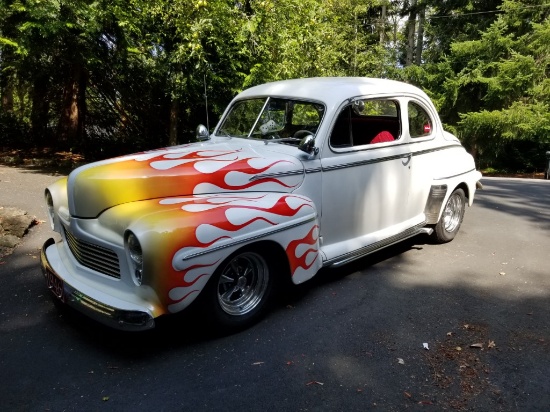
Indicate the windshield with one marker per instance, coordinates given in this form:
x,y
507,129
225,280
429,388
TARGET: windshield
x,y
271,118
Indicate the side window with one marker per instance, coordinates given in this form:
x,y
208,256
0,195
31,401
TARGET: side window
x,y
420,123
366,122
341,133
386,108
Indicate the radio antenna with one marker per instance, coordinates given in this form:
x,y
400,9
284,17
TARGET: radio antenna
x,y
206,104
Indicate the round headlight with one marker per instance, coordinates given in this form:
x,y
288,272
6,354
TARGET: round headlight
x,y
136,256
49,204
134,248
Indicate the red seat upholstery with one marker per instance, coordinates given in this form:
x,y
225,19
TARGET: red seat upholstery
x,y
383,137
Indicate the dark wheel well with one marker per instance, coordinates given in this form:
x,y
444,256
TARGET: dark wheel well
x,y
464,187
277,257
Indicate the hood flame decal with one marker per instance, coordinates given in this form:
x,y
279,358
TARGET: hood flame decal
x,y
183,172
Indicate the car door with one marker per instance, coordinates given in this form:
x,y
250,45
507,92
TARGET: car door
x,y
366,177
421,128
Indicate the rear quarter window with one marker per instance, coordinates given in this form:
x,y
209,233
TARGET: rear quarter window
x,y
420,123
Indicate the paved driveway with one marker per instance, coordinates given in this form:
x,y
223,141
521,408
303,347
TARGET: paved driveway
x,y
350,340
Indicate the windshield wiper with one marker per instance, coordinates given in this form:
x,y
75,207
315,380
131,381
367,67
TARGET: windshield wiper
x,y
282,140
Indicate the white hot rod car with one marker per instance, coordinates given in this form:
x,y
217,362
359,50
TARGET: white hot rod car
x,y
297,175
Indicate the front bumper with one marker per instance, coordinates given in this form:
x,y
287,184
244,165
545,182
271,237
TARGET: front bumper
x,y
119,315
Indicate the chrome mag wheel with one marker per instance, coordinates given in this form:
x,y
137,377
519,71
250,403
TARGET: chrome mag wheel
x,y
243,283
454,210
451,217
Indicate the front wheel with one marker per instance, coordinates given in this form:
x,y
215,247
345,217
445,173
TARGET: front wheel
x,y
451,218
240,290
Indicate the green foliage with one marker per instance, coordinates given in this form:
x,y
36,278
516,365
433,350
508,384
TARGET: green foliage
x,y
453,21
499,85
107,77
520,121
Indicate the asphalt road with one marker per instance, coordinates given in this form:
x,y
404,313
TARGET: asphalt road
x,y
350,340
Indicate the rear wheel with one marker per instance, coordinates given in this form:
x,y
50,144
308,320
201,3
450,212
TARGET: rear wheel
x,y
240,290
451,218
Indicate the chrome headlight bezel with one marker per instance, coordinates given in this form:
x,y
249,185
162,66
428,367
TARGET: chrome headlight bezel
x,y
51,208
135,256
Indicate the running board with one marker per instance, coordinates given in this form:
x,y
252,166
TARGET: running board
x,y
367,250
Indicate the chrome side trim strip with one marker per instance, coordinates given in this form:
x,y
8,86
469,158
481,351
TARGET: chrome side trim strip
x,y
279,174
459,174
248,239
367,250
436,149
384,159
365,162
314,170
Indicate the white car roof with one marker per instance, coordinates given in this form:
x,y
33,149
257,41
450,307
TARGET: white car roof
x,y
331,89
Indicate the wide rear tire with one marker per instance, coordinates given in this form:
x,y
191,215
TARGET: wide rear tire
x,y
451,218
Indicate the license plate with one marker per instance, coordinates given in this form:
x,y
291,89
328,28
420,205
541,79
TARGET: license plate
x,y
55,284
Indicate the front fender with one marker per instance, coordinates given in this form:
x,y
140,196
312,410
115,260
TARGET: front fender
x,y
58,192
185,239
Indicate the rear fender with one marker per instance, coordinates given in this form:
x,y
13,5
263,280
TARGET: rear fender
x,y
442,189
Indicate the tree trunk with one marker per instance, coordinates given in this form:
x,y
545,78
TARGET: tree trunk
x,y
174,116
71,122
420,36
21,94
411,28
40,110
7,96
383,25
7,79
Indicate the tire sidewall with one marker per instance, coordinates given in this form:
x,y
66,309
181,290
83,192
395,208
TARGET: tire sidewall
x,y
210,304
441,234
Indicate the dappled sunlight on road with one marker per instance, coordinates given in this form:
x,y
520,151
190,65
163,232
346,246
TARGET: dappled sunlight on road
x,y
349,371
13,322
500,251
484,270
507,286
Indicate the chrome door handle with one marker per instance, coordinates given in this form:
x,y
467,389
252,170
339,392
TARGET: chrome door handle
x,y
408,159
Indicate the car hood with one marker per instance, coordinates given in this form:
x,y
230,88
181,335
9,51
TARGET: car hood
x,y
235,165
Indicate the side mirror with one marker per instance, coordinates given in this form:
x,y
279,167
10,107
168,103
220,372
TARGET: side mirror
x,y
307,144
202,133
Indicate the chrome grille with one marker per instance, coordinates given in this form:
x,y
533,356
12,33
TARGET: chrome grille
x,y
92,256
